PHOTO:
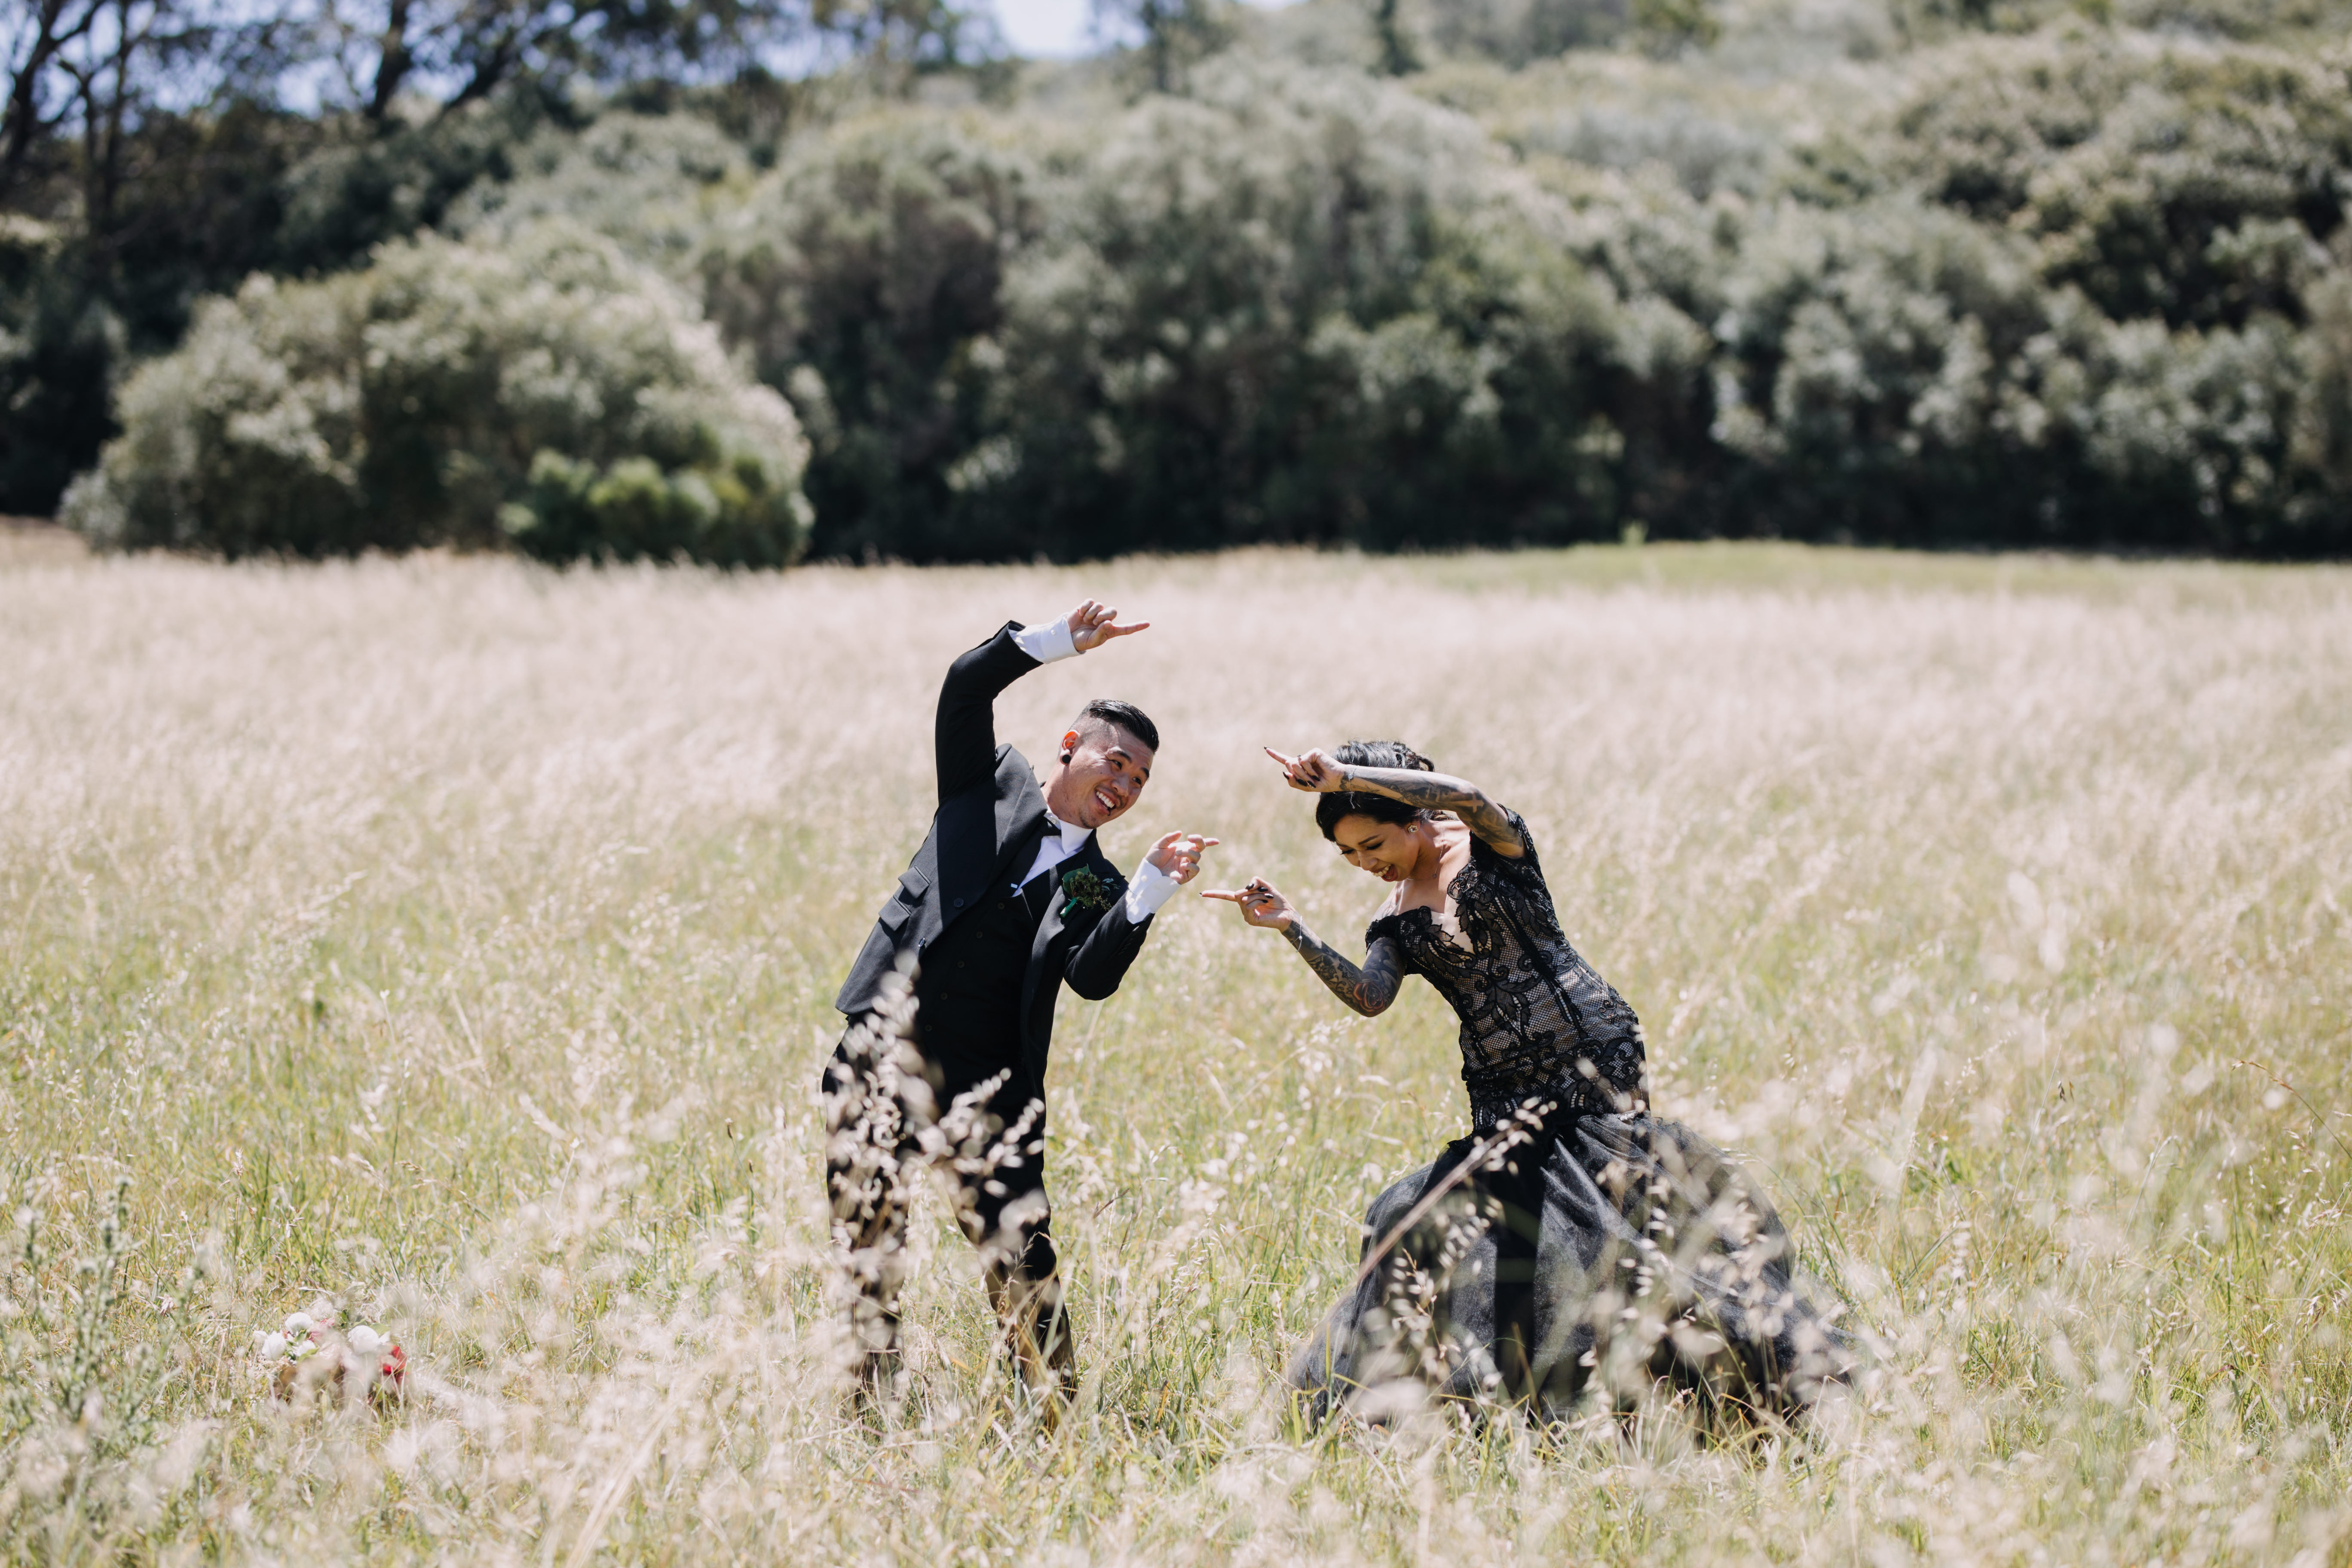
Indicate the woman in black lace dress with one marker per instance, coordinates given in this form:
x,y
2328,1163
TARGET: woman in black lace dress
x,y
1571,1240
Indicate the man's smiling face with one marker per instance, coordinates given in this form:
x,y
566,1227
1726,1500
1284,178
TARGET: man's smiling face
x,y
1101,771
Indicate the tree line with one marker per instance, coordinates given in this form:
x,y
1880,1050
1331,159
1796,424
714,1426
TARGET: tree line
x,y
611,281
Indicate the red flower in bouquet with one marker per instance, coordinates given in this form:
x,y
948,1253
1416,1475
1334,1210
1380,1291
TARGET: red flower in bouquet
x,y
309,1357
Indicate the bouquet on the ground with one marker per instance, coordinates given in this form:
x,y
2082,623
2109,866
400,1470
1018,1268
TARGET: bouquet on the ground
x,y
310,1356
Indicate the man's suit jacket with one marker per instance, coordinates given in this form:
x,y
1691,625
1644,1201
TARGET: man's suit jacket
x,y
990,810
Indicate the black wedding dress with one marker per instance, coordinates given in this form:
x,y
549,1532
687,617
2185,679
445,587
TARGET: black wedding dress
x,y
1572,1246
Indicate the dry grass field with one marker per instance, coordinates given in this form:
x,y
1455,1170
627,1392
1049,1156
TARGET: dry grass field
x,y
453,941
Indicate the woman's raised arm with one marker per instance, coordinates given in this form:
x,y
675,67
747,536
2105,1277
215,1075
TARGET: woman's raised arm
x,y
1320,773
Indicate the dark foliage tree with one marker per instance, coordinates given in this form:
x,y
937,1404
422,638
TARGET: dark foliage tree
x,y
132,174
1396,54
453,53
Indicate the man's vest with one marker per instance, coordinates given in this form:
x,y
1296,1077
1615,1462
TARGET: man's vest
x,y
968,995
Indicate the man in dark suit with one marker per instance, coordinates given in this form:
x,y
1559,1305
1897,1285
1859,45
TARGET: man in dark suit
x,y
1008,899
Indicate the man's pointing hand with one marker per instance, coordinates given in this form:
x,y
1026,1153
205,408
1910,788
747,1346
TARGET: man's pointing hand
x,y
1095,622
1178,855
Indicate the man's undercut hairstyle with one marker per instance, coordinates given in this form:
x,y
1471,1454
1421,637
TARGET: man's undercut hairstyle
x,y
1121,715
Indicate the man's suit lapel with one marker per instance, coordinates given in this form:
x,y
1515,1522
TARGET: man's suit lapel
x,y
978,838
1020,805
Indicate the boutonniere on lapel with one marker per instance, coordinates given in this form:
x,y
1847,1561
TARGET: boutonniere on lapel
x,y
1084,890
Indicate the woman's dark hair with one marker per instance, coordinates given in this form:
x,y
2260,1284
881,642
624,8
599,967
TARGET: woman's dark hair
x,y
1330,808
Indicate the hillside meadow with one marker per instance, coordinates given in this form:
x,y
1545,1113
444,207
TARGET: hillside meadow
x,y
451,941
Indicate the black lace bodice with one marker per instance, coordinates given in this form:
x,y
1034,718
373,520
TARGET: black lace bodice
x,y
1536,1022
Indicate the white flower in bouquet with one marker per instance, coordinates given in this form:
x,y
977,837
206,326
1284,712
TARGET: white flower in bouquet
x,y
309,1355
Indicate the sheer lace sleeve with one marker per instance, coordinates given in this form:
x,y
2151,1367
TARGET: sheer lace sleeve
x,y
1526,870
1391,926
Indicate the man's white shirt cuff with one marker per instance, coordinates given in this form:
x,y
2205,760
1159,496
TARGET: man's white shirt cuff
x,y
1047,641
1147,890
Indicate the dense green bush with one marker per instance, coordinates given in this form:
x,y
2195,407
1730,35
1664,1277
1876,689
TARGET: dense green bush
x,y
1294,305
202,200
863,277
1866,366
548,392
82,300
1298,306
360,184
2087,309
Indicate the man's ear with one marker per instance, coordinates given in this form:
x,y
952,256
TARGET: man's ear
x,y
1069,744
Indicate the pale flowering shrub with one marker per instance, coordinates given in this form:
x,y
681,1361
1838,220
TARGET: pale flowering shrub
x,y
652,184
2162,177
548,394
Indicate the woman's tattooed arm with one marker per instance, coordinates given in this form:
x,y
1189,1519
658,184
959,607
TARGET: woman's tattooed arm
x,y
1370,989
1442,792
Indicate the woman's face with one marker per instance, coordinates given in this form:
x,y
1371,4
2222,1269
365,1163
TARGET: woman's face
x,y
1389,850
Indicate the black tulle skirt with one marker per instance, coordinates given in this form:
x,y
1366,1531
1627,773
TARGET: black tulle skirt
x,y
1578,1261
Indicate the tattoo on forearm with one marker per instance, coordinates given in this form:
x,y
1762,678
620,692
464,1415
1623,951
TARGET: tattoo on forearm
x,y
1369,989
1442,792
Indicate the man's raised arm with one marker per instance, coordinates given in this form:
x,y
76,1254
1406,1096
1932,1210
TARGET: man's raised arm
x,y
963,737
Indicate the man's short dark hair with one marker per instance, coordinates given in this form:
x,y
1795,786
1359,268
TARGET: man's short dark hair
x,y
1125,716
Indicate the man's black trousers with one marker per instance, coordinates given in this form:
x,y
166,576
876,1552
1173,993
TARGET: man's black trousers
x,y
971,1112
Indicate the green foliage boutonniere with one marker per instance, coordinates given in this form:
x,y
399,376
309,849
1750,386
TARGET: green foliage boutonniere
x,y
1084,889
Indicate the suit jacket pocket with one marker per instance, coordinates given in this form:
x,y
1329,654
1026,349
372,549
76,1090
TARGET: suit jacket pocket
x,y
905,903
